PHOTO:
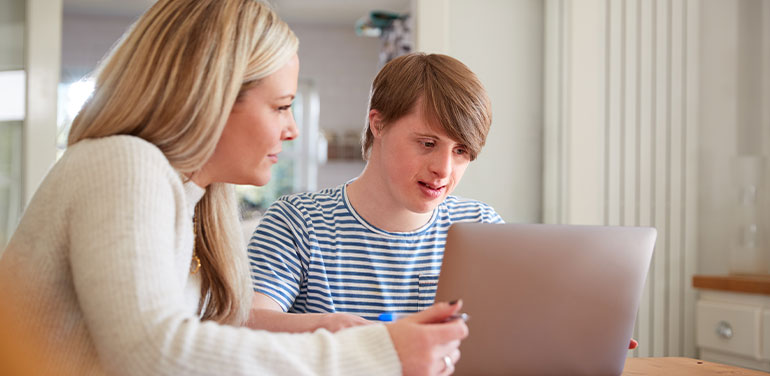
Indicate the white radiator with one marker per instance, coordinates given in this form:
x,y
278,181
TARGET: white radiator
x,y
620,141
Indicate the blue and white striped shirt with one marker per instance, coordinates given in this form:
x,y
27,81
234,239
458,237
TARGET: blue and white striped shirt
x,y
313,253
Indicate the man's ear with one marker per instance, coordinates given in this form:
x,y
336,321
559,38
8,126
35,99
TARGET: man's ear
x,y
375,123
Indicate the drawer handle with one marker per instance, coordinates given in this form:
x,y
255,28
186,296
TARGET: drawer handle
x,y
724,330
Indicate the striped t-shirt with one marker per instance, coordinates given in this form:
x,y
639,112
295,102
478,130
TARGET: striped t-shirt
x,y
312,253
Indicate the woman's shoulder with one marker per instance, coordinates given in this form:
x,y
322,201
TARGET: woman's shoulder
x,y
120,158
105,171
115,147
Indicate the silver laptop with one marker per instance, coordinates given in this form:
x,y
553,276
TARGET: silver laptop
x,y
545,299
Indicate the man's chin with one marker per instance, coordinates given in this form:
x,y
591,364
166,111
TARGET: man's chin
x,y
426,208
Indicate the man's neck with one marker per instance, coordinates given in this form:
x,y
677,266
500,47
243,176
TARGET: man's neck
x,y
372,200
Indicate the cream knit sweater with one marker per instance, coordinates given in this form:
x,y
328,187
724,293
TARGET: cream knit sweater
x,y
99,268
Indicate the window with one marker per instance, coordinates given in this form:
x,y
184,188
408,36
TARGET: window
x,y
12,110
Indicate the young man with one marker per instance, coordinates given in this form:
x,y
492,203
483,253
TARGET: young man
x,y
346,254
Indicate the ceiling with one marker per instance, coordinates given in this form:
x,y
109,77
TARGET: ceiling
x,y
341,12
130,8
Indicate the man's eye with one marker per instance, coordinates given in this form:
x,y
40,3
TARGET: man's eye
x,y
428,144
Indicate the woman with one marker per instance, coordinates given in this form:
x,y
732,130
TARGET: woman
x,y
127,260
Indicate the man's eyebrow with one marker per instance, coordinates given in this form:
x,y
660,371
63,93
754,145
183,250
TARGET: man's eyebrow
x,y
429,135
437,137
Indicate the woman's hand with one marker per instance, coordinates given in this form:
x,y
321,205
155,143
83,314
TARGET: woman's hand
x,y
425,343
337,321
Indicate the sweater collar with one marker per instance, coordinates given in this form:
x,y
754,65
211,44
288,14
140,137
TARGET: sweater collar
x,y
193,193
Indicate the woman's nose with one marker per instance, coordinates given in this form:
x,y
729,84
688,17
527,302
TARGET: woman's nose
x,y
290,132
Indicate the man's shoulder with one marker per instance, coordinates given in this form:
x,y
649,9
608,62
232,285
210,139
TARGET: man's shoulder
x,y
308,205
303,211
460,209
313,200
457,202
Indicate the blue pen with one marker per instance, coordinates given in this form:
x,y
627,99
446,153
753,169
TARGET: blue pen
x,y
391,316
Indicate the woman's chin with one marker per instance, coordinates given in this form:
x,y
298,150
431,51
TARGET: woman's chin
x,y
260,180
256,180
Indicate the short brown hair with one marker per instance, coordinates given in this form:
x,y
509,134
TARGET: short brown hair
x,y
453,98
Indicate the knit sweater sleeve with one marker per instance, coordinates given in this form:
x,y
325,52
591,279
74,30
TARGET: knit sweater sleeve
x,y
123,238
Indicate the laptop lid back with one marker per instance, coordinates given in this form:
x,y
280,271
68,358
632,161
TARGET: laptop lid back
x,y
545,299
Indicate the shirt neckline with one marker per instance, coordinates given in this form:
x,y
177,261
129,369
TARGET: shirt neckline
x,y
378,230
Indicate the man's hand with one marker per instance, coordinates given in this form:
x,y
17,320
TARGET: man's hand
x,y
337,321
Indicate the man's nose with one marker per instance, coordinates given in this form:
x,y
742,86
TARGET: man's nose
x,y
441,163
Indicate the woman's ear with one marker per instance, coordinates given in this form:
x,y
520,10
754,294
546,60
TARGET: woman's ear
x,y
375,123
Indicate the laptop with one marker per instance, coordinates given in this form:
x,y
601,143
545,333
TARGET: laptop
x,y
545,299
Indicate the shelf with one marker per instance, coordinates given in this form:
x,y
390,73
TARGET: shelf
x,y
752,284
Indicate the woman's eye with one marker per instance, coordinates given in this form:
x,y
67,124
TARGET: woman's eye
x,y
461,151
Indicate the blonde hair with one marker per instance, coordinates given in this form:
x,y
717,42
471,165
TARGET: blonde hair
x,y
452,96
172,81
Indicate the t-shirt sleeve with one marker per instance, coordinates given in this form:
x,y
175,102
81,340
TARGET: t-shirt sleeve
x,y
465,210
489,215
277,256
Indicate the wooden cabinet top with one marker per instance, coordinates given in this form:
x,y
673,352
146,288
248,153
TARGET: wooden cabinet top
x,y
682,366
752,284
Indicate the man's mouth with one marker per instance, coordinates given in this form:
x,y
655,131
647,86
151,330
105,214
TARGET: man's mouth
x,y
434,187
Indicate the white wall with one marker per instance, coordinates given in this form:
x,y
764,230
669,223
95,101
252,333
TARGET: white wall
x,y
86,39
502,42
342,65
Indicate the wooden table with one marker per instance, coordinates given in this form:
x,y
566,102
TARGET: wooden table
x,y
682,366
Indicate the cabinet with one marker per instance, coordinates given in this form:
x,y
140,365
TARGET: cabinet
x,y
732,320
